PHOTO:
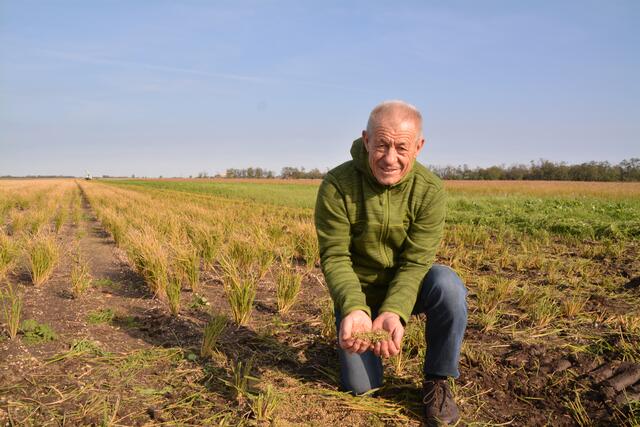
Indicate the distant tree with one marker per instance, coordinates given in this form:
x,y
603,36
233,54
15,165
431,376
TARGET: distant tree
x,y
630,169
627,170
289,172
250,172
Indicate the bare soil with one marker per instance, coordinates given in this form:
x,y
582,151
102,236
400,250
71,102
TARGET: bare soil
x,y
144,367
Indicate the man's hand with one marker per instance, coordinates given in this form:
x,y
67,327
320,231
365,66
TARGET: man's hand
x,y
389,322
356,321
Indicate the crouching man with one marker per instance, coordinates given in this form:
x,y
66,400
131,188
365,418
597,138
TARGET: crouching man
x,y
379,219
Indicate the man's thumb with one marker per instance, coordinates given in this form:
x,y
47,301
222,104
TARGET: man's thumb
x,y
345,330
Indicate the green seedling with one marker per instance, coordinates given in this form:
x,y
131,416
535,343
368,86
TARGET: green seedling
x,y
265,404
35,333
105,315
241,380
212,332
198,302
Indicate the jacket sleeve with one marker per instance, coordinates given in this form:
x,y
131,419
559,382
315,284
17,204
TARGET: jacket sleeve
x,y
417,256
333,229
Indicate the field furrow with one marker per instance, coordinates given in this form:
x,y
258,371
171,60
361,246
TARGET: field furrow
x,y
202,303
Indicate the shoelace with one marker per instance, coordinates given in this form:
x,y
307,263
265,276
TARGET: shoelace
x,y
437,394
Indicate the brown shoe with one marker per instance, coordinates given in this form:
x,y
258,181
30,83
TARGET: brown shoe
x,y
439,406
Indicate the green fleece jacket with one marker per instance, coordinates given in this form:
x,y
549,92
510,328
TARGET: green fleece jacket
x,y
377,242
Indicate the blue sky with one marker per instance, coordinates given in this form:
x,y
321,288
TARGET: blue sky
x,y
173,88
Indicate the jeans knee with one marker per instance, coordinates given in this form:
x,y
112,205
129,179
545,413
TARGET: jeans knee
x,y
360,389
358,382
360,373
448,287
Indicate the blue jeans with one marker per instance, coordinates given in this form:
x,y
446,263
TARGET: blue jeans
x,y
443,299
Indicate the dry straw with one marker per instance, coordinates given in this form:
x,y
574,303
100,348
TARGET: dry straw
x,y
8,254
372,336
12,308
240,288
80,275
288,283
42,255
173,290
187,264
150,259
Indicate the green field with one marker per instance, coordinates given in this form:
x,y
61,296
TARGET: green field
x,y
580,216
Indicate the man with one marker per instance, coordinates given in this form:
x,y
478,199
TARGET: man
x,y
379,219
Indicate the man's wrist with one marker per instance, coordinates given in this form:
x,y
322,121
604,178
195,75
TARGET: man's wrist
x,y
347,311
390,313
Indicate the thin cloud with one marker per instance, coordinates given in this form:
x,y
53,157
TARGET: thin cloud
x,y
90,59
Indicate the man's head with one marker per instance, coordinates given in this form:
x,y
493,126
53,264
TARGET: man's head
x,y
393,140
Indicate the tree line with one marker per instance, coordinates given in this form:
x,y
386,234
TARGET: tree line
x,y
545,170
542,170
287,172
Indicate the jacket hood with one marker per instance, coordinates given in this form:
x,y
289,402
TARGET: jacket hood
x,y
360,158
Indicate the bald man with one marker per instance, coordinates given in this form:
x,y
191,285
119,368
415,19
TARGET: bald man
x,y
379,219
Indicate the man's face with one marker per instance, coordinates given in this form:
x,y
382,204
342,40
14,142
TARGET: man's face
x,y
392,146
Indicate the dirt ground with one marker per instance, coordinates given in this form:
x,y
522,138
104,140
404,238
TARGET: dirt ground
x,y
142,366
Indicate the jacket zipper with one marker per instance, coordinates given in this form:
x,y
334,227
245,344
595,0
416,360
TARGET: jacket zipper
x,y
385,228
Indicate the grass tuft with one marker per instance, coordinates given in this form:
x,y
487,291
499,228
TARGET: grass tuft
x,y
288,283
80,276
240,289
241,380
105,315
173,290
8,254
43,255
12,308
150,259
187,265
212,332
265,404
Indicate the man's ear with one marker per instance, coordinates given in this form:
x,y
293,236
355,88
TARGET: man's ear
x,y
419,146
365,140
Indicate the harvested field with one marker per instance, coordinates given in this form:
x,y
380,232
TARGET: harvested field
x,y
176,302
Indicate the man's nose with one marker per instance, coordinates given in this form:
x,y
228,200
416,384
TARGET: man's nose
x,y
391,156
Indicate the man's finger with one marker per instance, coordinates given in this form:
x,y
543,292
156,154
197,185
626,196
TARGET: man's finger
x,y
396,336
345,330
347,345
376,349
384,348
393,348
